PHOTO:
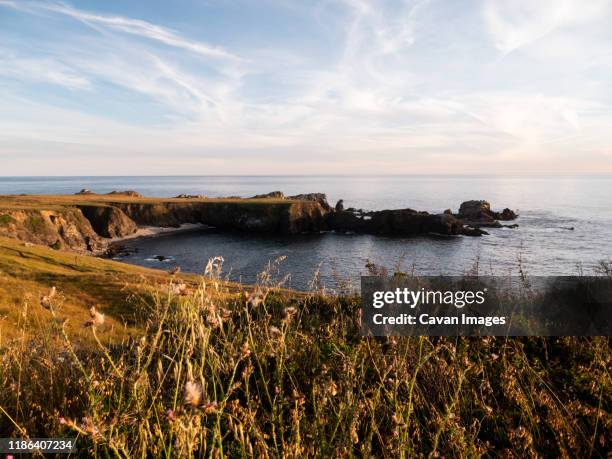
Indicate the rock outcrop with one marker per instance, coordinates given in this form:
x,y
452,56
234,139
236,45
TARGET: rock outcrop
x,y
109,221
479,214
65,228
84,226
401,222
270,195
130,193
321,198
190,196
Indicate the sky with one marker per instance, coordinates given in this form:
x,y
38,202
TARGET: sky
x,y
262,87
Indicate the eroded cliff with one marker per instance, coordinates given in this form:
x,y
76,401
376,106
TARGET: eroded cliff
x,y
63,228
87,221
74,224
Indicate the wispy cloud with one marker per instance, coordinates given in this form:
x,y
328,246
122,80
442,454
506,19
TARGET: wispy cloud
x,y
344,85
514,24
42,70
128,25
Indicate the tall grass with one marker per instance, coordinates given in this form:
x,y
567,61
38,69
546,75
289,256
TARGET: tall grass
x,y
269,373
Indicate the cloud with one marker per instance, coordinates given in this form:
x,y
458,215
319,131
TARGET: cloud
x,y
409,86
514,24
128,25
42,70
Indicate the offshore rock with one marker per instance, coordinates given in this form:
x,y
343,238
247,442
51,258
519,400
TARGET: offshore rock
x,y
479,214
400,222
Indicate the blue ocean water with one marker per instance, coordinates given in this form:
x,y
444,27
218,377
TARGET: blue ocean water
x,y
548,207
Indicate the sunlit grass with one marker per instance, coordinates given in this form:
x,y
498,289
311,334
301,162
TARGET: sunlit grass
x,y
213,371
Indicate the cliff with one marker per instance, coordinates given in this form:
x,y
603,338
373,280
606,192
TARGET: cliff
x,y
84,222
285,217
64,228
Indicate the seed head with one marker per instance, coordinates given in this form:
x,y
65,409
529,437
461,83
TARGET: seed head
x,y
46,300
275,331
245,350
255,298
193,393
180,289
97,318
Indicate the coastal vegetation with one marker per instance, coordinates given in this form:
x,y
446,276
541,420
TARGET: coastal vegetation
x,y
143,363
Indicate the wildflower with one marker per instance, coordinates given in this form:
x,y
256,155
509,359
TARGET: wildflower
x,y
193,393
225,313
255,298
170,415
354,436
275,331
288,313
210,407
97,318
175,270
214,267
45,300
248,371
331,388
89,427
245,350
180,289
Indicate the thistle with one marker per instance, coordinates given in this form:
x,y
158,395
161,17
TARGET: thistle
x,y
97,318
193,394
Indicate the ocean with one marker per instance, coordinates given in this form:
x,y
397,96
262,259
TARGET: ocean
x,y
544,243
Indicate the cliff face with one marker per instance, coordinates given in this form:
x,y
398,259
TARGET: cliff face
x,y
65,228
83,223
109,221
84,227
284,217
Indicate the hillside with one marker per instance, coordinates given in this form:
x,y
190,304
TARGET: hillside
x,y
28,272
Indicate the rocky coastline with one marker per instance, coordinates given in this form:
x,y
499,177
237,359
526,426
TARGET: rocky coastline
x,y
88,222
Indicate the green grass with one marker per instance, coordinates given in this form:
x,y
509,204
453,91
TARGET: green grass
x,y
6,219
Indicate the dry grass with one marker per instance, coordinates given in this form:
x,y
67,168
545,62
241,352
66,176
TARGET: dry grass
x,y
56,202
215,373
28,272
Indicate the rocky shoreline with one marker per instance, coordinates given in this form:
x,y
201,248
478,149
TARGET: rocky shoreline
x,y
89,222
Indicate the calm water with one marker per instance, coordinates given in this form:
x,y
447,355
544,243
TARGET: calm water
x,y
547,206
